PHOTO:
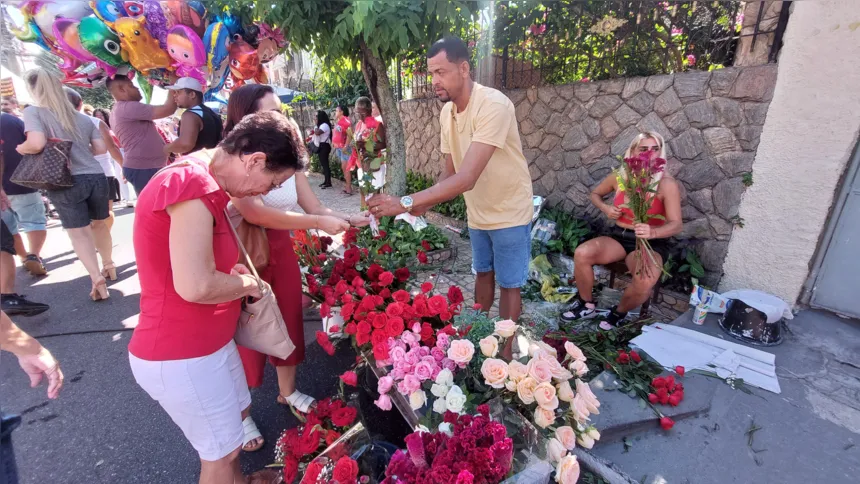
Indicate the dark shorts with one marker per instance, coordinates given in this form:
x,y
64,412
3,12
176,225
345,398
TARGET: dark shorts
x,y
7,241
85,201
113,189
139,177
627,239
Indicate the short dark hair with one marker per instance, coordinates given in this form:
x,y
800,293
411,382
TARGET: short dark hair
x,y
198,93
270,133
74,97
344,108
455,49
105,113
119,78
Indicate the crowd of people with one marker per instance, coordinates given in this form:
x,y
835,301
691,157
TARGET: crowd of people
x,y
251,168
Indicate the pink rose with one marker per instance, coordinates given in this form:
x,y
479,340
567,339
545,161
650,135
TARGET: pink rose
x,y
584,391
567,471
416,328
423,370
495,372
410,384
545,396
539,370
565,393
559,372
574,352
579,409
555,450
537,346
409,338
517,371
412,357
543,417
461,351
385,384
423,351
506,328
396,354
448,364
526,390
566,436
442,341
578,367
398,373
489,346
384,402
437,353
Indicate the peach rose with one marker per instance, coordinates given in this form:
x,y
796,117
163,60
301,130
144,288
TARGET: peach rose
x,y
537,346
526,390
566,436
511,385
555,450
539,370
517,371
506,328
545,396
574,352
543,417
567,470
495,372
579,368
461,351
489,346
585,441
579,410
559,372
584,391
565,393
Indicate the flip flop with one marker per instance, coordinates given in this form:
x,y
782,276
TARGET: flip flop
x,y
252,433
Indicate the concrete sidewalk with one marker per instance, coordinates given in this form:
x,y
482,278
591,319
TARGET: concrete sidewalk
x,y
808,433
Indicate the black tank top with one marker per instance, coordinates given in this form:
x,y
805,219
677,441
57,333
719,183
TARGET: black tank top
x,y
210,135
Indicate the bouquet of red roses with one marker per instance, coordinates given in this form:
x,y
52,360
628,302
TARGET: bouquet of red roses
x,y
638,178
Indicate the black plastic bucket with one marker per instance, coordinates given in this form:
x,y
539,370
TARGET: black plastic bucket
x,y
746,323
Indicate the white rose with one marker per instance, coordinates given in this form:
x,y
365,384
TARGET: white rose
x,y
506,328
445,377
578,367
438,390
574,352
593,433
511,386
555,451
439,406
455,399
585,441
489,346
565,393
417,399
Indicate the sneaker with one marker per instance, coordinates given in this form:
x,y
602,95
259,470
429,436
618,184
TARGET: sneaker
x,y
579,309
34,264
16,304
612,320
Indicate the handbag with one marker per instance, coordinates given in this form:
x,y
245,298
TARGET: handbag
x,y
253,237
261,326
49,170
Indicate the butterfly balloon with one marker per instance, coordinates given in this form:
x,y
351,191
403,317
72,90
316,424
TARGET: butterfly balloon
x,y
187,51
142,49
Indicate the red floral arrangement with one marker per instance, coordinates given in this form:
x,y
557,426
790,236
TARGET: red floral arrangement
x,y
477,451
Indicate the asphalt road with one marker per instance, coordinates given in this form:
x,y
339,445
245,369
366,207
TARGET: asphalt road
x,y
104,428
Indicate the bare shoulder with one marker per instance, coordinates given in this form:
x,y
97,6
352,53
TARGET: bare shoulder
x,y
669,186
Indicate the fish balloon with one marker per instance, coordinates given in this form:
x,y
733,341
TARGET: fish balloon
x,y
102,43
217,43
142,49
245,64
187,51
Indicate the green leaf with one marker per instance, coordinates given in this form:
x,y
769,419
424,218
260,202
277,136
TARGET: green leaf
x,y
642,403
376,163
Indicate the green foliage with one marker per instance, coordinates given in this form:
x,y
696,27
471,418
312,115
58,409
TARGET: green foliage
x,y
747,179
97,97
334,165
456,208
687,274
402,238
333,88
570,231
481,325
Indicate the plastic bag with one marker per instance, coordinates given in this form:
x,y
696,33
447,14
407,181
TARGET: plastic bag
x,y
543,230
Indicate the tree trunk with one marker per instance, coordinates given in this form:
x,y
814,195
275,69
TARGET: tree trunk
x,y
376,77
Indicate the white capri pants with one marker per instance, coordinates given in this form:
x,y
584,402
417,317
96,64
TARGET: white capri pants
x,y
204,396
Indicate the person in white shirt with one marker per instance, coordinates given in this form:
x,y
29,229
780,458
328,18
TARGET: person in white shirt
x,y
322,140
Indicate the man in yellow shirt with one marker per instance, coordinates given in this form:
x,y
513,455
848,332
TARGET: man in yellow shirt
x,y
484,161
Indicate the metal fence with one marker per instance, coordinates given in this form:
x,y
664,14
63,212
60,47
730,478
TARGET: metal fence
x,y
564,41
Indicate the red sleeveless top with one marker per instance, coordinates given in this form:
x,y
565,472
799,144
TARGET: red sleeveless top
x,y
626,217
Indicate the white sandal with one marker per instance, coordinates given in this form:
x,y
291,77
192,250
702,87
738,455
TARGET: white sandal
x,y
252,433
298,400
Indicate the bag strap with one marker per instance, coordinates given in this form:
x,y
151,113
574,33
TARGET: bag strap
x,y
244,251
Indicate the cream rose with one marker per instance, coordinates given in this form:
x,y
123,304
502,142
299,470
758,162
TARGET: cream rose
x,y
526,390
584,391
455,399
585,441
579,410
545,396
439,405
543,417
417,399
506,328
495,372
511,385
566,436
555,450
541,346
574,352
461,351
559,372
489,346
541,371
565,393
567,470
517,371
593,433
579,368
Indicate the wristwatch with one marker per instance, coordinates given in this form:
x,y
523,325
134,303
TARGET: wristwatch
x,y
406,202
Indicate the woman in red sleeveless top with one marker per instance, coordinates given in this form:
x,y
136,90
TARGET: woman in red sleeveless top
x,y
620,242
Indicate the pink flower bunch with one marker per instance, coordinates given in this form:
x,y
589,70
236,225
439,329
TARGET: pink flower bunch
x,y
478,450
645,165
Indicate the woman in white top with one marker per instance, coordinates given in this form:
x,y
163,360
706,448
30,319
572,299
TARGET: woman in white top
x,y
322,139
276,211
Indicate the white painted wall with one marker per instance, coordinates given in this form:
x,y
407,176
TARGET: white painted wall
x,y
811,129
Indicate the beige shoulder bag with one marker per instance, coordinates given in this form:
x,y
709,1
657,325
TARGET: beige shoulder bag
x,y
261,326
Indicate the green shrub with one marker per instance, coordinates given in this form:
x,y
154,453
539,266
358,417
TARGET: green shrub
x,y
456,208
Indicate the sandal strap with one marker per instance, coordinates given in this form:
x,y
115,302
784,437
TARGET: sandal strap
x,y
300,401
251,432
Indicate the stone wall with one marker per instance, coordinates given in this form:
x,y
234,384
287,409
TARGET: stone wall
x,y
572,133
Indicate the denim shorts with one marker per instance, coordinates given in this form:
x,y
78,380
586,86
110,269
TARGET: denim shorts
x,y
26,214
85,201
506,251
343,154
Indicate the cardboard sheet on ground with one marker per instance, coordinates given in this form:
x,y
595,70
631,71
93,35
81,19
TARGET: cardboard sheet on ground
x,y
671,346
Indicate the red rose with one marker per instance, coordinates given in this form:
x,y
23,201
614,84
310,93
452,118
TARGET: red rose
x,y
422,257
340,288
345,471
325,309
670,382
322,338
427,287
350,378
311,473
402,274
330,437
426,245
427,334
351,328
449,330
679,387
316,269
455,295
385,293
328,348
662,391
667,423
379,337
350,237
374,271
401,296
344,416
437,304
346,298
379,321
334,329
291,468
380,352
675,399
653,398
385,249
477,306
364,328
386,278
395,327
361,292
663,399
321,258
445,315
635,356
309,441
658,382
357,282
351,256
394,309
680,370
623,358
362,338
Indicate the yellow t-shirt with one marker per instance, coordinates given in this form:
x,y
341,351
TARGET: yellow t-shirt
x,y
502,196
